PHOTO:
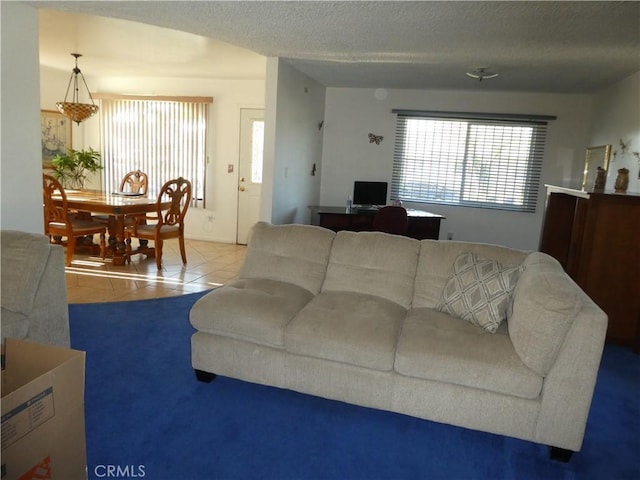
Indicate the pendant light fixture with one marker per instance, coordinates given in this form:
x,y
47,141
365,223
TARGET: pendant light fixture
x,y
75,110
482,73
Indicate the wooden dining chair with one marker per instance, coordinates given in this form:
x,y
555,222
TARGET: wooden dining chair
x,y
135,182
170,221
59,222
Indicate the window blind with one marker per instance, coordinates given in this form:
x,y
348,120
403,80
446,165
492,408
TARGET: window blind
x,y
165,139
473,160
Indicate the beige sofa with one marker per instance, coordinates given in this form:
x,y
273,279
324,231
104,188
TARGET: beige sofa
x,y
382,321
34,290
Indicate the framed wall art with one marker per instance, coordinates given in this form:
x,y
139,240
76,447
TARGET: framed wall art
x,y
56,135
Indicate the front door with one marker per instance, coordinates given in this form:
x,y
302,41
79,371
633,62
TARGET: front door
x,y
250,170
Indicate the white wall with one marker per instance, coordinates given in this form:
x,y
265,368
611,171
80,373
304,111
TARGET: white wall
x,y
218,221
294,145
21,160
616,116
269,147
347,154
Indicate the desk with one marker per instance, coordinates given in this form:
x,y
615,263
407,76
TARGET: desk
x,y
116,206
422,224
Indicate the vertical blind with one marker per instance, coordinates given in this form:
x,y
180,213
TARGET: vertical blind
x,y
163,138
474,160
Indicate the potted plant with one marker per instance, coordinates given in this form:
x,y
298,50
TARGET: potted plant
x,y
73,167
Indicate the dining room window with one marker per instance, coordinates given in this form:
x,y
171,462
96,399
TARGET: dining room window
x,y
472,160
164,137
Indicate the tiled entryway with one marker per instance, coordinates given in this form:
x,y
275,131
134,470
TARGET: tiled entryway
x,y
91,279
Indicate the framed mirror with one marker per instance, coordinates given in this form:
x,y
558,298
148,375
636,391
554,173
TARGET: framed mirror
x,y
595,157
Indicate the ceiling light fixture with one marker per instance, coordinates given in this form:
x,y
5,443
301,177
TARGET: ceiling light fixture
x,y
481,73
75,110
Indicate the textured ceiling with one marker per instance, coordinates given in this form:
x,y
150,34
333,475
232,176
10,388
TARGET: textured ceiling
x,y
113,47
546,46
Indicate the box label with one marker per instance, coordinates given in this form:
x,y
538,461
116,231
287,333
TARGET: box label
x,y
27,416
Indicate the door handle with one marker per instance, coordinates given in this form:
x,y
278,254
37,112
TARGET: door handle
x,y
241,188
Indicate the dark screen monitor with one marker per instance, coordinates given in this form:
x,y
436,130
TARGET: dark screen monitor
x,y
369,193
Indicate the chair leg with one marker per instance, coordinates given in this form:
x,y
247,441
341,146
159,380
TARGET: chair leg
x,y
103,246
183,251
159,253
71,248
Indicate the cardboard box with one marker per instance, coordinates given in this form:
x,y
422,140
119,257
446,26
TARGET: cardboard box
x,y
43,433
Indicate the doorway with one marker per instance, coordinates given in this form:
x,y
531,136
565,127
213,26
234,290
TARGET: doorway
x,y
249,170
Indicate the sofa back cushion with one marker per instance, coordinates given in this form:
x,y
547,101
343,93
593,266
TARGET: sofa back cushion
x,y
296,254
373,263
435,266
545,304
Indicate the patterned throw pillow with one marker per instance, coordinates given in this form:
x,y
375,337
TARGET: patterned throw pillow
x,y
479,291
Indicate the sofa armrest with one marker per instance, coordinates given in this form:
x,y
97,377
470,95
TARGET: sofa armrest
x,y
49,319
24,256
34,289
568,388
558,332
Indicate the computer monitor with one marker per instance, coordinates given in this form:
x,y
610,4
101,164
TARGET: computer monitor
x,y
369,193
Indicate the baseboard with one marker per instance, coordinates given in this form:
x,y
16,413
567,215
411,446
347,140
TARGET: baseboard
x,y
205,238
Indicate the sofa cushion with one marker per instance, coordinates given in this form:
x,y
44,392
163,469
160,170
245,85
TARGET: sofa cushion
x,y
373,263
479,290
295,254
256,310
347,327
545,302
24,257
436,346
436,264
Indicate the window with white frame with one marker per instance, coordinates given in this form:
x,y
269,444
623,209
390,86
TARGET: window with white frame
x,y
471,160
257,153
165,138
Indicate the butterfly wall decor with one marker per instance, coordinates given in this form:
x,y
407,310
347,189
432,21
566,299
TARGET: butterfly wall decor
x,y
375,138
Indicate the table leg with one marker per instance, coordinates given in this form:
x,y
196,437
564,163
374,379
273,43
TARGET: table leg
x,y
120,256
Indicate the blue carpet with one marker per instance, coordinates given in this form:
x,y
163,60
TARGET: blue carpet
x,y
148,417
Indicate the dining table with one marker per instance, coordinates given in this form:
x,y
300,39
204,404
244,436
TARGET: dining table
x,y
116,206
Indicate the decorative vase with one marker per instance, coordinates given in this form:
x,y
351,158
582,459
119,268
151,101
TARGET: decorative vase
x,y
601,178
622,181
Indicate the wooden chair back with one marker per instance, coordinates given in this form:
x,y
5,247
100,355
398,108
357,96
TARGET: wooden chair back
x,y
53,213
391,219
135,182
179,192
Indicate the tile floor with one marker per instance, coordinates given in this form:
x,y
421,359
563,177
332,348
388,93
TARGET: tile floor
x,y
91,279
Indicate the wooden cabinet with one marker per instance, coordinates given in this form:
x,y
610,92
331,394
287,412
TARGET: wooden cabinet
x,y
596,238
